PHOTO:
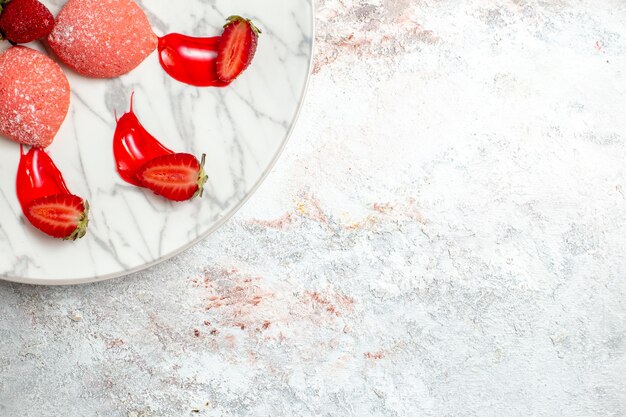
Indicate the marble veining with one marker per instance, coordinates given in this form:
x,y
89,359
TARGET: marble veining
x,y
241,129
442,236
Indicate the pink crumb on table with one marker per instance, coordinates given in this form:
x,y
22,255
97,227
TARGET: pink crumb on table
x,y
102,38
34,96
374,355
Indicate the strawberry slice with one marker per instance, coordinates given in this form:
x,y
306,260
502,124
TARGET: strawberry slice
x,y
63,216
24,21
177,177
237,47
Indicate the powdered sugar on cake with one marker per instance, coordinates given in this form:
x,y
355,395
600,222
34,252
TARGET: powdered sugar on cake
x,y
34,97
102,38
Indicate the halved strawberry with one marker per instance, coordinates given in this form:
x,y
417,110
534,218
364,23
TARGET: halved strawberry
x,y
237,47
63,216
177,177
24,21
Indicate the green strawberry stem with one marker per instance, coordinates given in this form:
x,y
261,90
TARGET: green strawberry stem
x,y
234,19
81,229
202,178
2,3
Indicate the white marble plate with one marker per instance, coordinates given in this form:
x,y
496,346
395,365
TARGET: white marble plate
x,y
242,129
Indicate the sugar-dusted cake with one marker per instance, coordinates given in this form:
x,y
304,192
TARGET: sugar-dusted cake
x,y
34,96
102,38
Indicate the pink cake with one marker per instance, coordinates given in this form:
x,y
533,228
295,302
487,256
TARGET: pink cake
x,y
102,38
34,96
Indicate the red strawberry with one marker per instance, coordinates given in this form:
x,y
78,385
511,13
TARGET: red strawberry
x,y
63,216
24,21
177,177
237,47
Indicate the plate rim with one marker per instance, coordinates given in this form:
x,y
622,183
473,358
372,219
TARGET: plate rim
x,y
218,224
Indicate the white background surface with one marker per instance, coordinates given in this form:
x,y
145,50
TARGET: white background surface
x,y
444,236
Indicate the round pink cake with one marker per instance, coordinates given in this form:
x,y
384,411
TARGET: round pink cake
x,y
34,96
102,38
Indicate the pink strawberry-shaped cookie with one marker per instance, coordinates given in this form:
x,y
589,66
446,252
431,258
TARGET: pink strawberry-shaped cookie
x,y
102,38
34,96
